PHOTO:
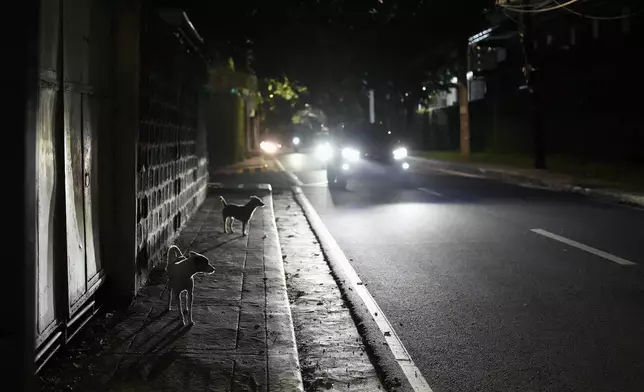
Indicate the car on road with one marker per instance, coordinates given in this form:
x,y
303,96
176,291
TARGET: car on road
x,y
303,141
270,144
352,148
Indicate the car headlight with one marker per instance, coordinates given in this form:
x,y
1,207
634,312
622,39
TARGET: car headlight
x,y
296,140
400,153
324,151
269,147
350,154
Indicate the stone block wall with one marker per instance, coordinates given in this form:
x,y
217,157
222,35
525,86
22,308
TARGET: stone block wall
x,y
172,170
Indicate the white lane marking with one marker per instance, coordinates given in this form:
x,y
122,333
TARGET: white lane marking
x,y
431,192
581,246
292,176
404,360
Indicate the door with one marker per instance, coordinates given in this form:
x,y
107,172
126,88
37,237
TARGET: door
x,y
84,273
46,150
74,60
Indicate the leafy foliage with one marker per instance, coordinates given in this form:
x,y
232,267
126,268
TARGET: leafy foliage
x,y
339,49
284,89
281,98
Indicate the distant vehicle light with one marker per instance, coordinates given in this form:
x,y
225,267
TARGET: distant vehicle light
x,y
405,166
269,147
345,166
350,154
400,153
324,151
296,140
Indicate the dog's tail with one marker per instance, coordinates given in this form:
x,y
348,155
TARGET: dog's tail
x,y
174,254
223,201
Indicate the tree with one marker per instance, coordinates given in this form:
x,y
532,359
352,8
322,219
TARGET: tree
x,y
339,49
280,99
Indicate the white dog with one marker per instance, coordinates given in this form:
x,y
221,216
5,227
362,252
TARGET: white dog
x,y
181,271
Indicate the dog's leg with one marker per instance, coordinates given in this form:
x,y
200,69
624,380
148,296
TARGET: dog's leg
x,y
225,225
232,222
176,297
244,223
181,307
189,302
170,293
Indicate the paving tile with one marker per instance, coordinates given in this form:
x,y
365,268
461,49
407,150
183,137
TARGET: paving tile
x,y
148,348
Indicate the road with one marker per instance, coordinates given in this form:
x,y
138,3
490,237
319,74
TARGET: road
x,y
482,301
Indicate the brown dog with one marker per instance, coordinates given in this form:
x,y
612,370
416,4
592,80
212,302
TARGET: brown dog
x,y
244,213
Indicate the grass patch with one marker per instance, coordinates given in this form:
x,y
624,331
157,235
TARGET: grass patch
x,y
623,176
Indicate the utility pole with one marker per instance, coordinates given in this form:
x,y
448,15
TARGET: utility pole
x,y
463,101
372,107
532,82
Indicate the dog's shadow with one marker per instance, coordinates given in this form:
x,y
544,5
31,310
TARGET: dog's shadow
x,y
147,323
222,243
170,337
155,358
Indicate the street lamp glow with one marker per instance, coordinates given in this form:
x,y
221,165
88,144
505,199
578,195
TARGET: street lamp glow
x,y
470,75
296,140
424,88
405,166
454,80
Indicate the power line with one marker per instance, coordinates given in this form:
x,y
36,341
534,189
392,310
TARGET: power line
x,y
624,16
521,6
536,11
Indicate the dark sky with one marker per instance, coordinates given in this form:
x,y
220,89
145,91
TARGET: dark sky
x,y
296,35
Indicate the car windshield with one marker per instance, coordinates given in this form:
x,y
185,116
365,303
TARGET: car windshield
x,y
376,135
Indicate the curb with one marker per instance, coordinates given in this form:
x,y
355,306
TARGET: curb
x,y
244,170
382,358
284,372
264,189
612,195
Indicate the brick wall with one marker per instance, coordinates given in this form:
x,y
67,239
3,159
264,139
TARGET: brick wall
x,y
172,169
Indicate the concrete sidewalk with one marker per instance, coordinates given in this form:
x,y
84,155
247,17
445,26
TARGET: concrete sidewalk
x,y
255,164
535,178
257,171
243,337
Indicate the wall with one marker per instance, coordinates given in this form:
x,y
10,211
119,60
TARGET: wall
x,y
171,171
227,128
118,157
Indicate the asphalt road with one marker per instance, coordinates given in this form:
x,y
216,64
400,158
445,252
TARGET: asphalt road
x,y
482,302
